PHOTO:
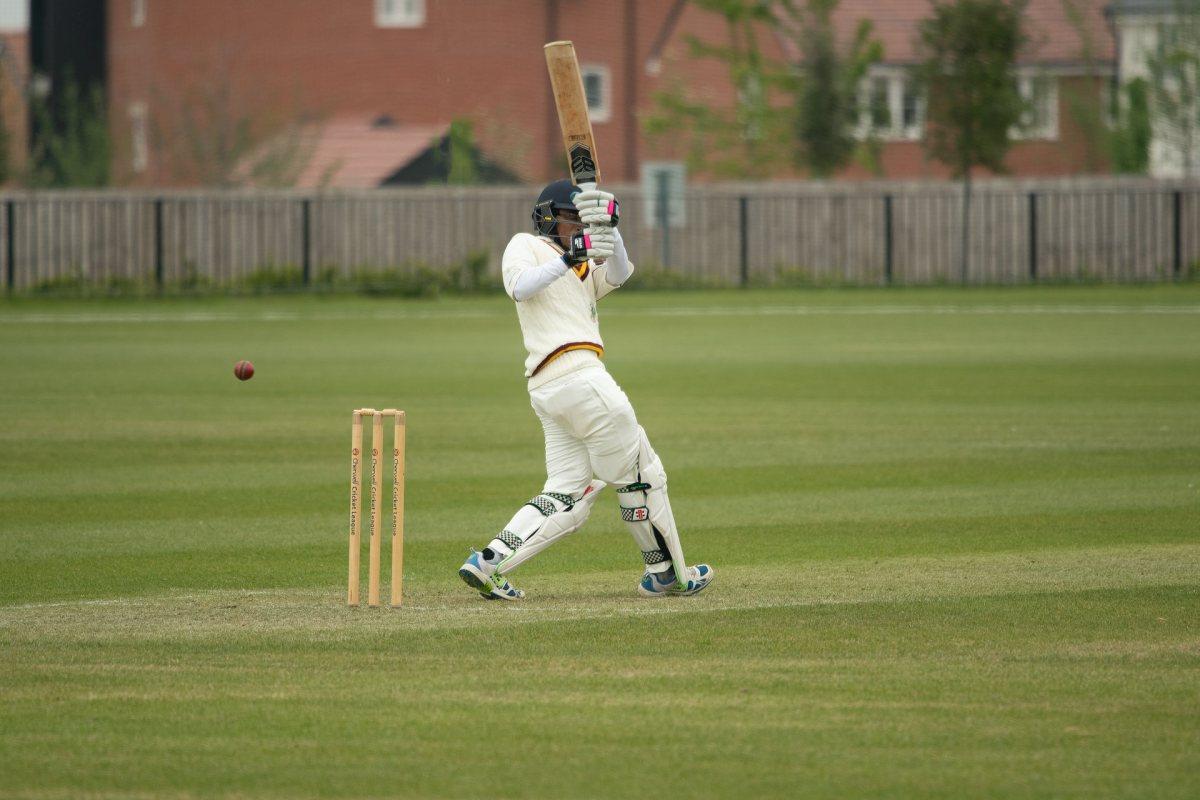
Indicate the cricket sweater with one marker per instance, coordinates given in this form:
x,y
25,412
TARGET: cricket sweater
x,y
559,324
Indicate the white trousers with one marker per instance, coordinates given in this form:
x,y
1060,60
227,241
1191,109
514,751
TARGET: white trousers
x,y
590,430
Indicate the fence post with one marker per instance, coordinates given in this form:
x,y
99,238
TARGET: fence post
x,y
887,239
1177,233
306,239
10,248
664,217
744,240
1033,238
158,243
31,212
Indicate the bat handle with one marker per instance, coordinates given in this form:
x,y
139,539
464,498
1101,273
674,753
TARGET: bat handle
x,y
590,186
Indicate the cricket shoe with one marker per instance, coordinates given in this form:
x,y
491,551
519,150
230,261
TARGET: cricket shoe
x,y
663,584
483,578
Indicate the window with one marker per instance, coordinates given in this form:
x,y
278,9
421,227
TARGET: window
x,y
663,185
881,113
137,13
1166,41
890,107
911,112
399,13
596,86
139,153
1039,119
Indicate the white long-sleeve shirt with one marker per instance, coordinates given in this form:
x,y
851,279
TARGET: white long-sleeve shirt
x,y
559,323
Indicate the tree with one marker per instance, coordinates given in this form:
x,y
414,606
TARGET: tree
x,y
1117,132
1130,132
219,140
5,143
969,50
751,138
8,75
800,114
462,154
826,89
1086,104
212,132
71,146
1175,85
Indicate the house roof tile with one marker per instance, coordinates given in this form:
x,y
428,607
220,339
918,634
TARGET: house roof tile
x,y
358,153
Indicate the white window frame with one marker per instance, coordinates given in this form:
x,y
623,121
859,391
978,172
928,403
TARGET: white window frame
x,y
603,111
137,13
139,151
915,131
399,13
867,112
1048,130
896,130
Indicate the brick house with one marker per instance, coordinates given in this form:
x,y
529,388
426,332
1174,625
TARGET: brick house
x,y
381,79
14,76
359,91
1065,73
1067,62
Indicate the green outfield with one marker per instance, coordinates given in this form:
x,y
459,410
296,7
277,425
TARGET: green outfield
x,y
956,536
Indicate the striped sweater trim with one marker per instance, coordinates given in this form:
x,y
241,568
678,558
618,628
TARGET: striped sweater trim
x,y
566,348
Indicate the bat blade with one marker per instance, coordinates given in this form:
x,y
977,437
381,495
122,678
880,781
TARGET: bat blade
x,y
573,119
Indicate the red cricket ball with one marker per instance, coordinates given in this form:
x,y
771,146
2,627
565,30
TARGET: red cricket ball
x,y
244,370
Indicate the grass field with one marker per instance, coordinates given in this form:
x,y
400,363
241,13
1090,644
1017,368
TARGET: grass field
x,y
956,535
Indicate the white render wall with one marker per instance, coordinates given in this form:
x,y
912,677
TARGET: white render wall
x,y
1137,37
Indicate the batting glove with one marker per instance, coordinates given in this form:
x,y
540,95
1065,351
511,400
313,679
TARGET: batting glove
x,y
589,244
597,208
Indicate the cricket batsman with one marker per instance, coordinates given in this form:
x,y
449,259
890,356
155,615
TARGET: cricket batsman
x,y
592,435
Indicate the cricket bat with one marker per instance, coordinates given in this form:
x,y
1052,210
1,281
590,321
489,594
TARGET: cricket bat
x,y
573,117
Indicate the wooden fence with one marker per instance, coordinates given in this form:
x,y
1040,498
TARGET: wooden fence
x,y
728,235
